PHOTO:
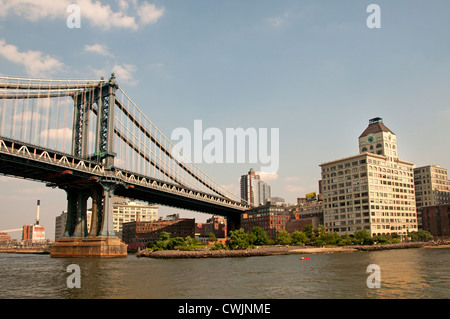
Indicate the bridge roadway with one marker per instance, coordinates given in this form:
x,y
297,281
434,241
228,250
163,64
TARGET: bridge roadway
x,y
22,160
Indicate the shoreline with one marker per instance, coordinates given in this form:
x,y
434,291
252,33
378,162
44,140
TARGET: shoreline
x,y
278,250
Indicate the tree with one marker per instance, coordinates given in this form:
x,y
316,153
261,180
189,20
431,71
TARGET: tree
x,y
362,237
212,237
421,235
238,239
298,238
308,230
283,238
331,238
259,237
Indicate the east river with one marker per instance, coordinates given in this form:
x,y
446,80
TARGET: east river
x,y
403,274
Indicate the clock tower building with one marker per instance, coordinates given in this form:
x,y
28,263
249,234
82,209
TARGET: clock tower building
x,y
373,190
378,139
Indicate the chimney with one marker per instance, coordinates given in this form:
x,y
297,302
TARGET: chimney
x,y
37,212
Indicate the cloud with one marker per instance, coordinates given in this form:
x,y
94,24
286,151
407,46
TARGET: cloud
x,y
124,73
149,13
34,10
63,134
267,176
35,63
278,20
95,12
99,49
295,189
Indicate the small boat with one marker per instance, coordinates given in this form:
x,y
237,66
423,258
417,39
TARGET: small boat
x,y
304,258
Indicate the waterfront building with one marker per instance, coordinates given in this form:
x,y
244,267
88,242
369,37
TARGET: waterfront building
x,y
215,225
124,212
436,220
4,237
373,190
137,234
33,233
254,191
273,218
432,188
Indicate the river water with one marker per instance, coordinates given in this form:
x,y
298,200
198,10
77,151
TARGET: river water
x,y
404,274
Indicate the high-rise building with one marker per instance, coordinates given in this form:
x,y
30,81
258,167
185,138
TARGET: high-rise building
x,y
124,212
254,191
432,188
373,190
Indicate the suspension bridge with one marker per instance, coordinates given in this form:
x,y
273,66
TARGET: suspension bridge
x,y
89,139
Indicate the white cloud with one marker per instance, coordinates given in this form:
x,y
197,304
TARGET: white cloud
x,y
35,63
34,10
295,189
149,13
63,134
99,49
267,176
125,73
278,20
95,12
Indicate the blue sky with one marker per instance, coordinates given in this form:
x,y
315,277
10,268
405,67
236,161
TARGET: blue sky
x,y
313,69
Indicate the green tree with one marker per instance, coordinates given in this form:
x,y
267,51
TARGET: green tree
x,y
283,238
331,238
238,239
421,235
362,237
259,237
212,237
298,238
308,230
344,240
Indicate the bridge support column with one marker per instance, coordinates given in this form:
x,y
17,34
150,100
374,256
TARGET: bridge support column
x,y
100,240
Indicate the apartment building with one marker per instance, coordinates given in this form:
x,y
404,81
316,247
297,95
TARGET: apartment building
x,y
373,190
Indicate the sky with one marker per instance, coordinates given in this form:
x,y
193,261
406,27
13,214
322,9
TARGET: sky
x,y
314,70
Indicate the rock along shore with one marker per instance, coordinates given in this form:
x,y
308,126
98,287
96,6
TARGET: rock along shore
x,y
273,250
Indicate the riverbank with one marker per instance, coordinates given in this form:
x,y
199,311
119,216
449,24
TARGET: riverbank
x,y
25,250
279,250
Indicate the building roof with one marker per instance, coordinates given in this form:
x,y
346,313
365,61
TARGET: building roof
x,y
375,126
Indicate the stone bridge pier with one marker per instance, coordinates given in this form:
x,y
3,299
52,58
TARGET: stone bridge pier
x,y
98,241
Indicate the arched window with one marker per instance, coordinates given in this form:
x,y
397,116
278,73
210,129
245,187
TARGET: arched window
x,y
364,149
379,145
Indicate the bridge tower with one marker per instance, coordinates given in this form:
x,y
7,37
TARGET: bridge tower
x,y
100,240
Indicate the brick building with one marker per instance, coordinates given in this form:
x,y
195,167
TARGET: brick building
x,y
139,233
275,218
436,220
215,225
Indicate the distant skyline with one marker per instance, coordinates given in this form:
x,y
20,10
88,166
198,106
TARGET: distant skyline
x,y
312,69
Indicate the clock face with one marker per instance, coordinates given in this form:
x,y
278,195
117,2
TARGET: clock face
x,y
370,139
